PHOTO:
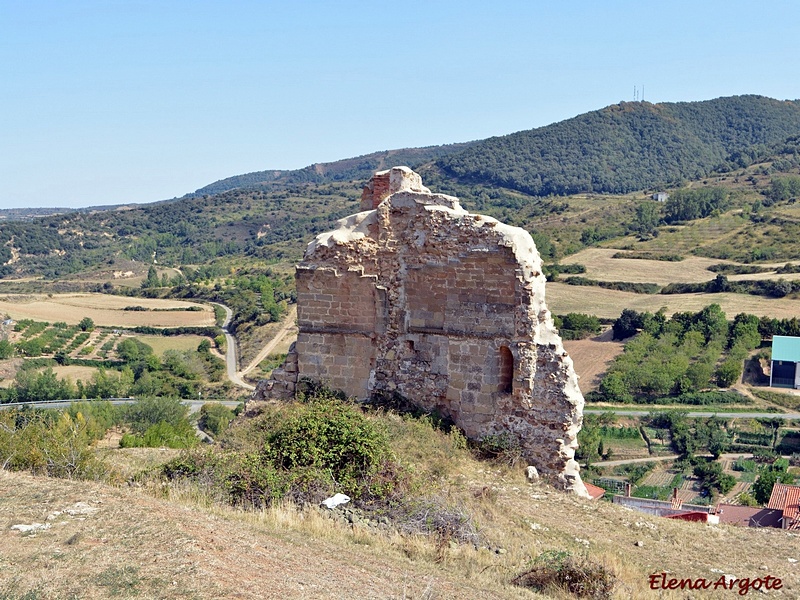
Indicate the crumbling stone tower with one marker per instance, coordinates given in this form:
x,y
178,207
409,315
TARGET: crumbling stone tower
x,y
415,295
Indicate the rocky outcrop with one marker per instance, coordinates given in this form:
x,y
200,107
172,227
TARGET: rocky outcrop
x,y
418,297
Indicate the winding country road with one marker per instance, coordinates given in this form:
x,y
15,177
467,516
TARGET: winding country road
x,y
230,355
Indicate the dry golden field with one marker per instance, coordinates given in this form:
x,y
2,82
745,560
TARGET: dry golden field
x,y
105,310
74,372
692,269
161,344
563,299
599,265
592,356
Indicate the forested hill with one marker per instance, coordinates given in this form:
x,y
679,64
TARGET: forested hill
x,y
627,146
360,167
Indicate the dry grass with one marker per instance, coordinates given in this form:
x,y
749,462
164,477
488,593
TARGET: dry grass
x,y
74,372
161,344
182,545
600,265
136,545
563,298
105,310
692,269
591,357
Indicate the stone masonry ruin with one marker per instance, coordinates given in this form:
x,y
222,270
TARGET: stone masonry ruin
x,y
418,297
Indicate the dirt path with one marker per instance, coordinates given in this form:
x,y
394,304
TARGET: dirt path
x,y
286,327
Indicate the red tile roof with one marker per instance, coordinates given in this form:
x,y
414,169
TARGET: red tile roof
x,y
594,491
746,516
787,498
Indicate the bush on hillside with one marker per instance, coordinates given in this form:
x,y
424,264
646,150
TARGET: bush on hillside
x,y
303,451
553,571
47,443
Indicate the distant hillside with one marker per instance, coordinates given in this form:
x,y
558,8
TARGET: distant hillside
x,y
26,214
360,167
632,146
626,147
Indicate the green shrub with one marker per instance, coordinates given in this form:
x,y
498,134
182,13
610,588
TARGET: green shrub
x,y
333,437
215,418
149,411
162,435
47,443
303,451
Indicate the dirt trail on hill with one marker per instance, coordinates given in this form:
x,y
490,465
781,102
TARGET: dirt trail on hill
x,y
289,323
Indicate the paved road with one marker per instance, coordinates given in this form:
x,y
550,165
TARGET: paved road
x,y
614,463
230,356
194,405
724,415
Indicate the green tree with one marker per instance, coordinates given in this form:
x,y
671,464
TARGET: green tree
x,y
215,418
648,216
152,280
149,411
86,324
713,479
6,349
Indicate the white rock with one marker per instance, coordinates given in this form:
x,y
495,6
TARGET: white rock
x,y
32,527
532,474
336,500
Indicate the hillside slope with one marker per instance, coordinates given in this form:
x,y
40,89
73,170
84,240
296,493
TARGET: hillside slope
x,y
123,543
359,167
627,146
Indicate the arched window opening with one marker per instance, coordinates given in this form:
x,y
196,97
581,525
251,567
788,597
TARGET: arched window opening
x,y
506,378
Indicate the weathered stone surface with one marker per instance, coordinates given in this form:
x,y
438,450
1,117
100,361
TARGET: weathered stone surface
x,y
415,295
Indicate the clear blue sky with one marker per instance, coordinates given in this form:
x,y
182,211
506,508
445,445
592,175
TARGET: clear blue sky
x,y
113,101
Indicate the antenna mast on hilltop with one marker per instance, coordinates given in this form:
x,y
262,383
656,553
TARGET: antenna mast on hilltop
x,y
642,92
635,96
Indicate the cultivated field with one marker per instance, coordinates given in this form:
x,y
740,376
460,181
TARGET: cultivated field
x,y
106,310
161,344
692,269
591,357
599,265
75,372
682,239
563,299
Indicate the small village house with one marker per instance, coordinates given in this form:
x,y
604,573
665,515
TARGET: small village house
x,y
786,498
785,356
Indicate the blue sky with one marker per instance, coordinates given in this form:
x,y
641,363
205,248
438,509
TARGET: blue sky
x,y
111,101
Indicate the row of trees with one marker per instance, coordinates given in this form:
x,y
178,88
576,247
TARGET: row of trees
x,y
683,354
177,373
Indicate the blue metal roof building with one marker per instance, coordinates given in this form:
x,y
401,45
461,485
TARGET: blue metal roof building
x,y
785,356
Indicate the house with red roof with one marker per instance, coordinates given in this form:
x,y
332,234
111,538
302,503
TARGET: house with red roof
x,y
595,491
786,498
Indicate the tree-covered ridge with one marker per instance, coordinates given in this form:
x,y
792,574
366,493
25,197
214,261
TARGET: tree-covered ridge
x,y
186,231
359,167
628,146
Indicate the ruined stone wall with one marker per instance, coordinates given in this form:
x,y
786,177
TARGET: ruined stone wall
x,y
419,297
